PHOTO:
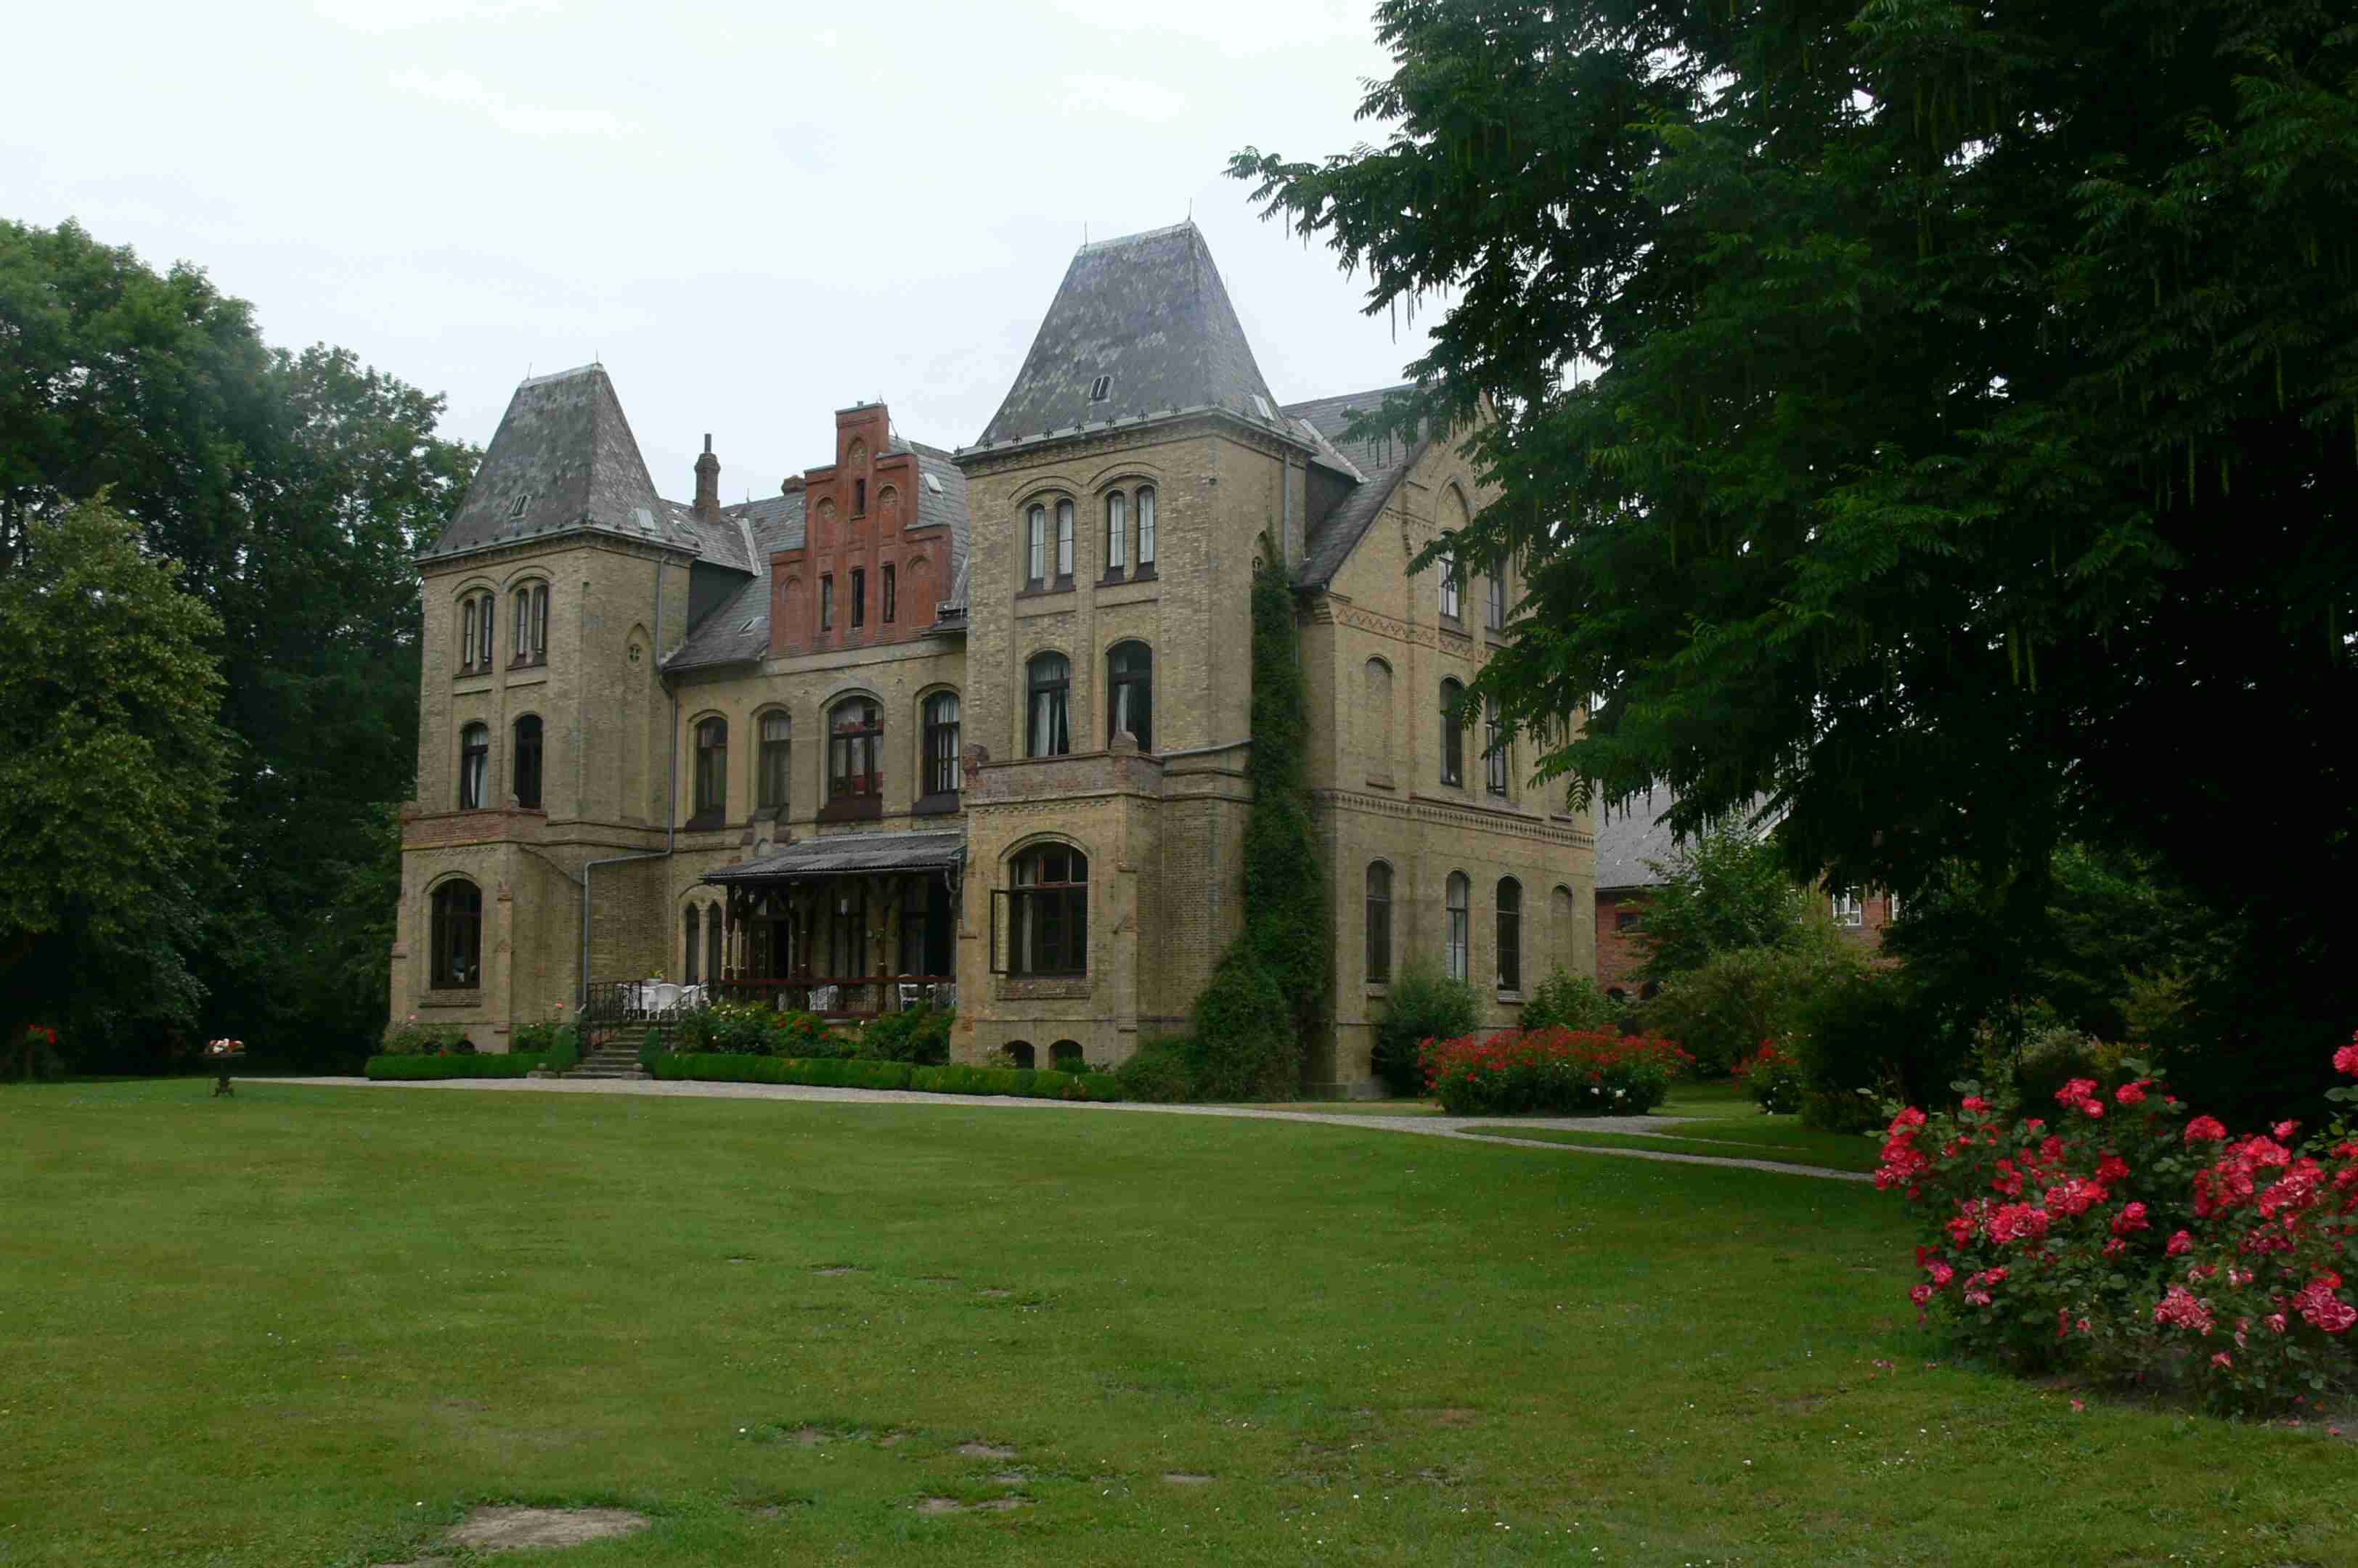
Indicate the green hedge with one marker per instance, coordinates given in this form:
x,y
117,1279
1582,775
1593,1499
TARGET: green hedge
x,y
740,1067
1024,1083
514,1065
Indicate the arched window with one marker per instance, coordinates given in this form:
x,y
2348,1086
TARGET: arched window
x,y
1145,528
942,776
524,763
774,791
714,945
1459,926
1451,568
476,614
691,967
855,761
1494,748
1452,733
1380,922
1376,712
458,937
1495,616
530,620
712,770
1065,1055
1048,913
1117,532
1020,1052
474,767
1035,529
1064,539
1048,727
1510,934
888,505
1129,700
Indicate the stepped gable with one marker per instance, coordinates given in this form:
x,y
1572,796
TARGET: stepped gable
x,y
565,451
1148,311
1378,464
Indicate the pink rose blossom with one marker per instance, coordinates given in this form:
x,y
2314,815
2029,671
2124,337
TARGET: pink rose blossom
x,y
2181,1242
2346,1059
2205,1127
2181,1309
2131,1094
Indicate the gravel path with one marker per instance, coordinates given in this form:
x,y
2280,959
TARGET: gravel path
x,y
1424,1126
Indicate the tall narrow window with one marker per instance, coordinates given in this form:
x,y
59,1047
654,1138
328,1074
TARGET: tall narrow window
x,y
827,604
1380,922
1452,733
521,636
1145,527
942,743
1459,925
474,767
458,937
1450,567
1049,731
1037,546
1495,617
891,592
715,943
1494,748
775,790
1376,715
859,597
1064,538
1117,532
1510,934
854,762
524,763
1849,908
860,498
691,969
713,770
477,614
1129,700
468,639
1050,910
847,953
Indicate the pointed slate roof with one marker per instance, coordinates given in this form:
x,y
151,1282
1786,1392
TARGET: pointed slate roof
x,y
1149,312
564,460
1379,465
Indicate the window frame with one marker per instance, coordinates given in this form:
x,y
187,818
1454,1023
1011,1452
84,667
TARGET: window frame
x,y
1064,519
859,597
1036,522
1119,682
1457,925
1143,505
1507,955
1068,944
843,744
1849,908
522,747
709,800
939,745
446,925
773,762
1494,749
530,599
1117,516
474,766
826,601
1047,703
1453,734
1377,957
1452,583
692,943
892,590
1493,613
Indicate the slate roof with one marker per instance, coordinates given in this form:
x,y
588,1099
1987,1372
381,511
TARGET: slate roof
x,y
565,450
850,854
1627,840
738,631
1379,463
1149,311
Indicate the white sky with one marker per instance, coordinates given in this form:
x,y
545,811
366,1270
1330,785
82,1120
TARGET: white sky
x,y
753,214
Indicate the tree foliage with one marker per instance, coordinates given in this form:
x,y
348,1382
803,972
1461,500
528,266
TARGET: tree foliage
x,y
111,771
1938,421
294,489
1722,889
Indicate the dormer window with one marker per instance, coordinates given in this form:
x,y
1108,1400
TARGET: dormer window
x,y
1101,389
516,511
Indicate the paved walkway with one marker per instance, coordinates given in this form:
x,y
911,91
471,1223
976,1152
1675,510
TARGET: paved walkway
x,y
1424,1126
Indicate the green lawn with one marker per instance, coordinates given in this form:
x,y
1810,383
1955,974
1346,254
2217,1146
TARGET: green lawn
x,y
1779,1138
309,1326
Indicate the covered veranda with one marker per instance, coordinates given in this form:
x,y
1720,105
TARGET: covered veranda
x,y
847,926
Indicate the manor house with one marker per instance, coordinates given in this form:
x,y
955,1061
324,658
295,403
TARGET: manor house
x,y
969,723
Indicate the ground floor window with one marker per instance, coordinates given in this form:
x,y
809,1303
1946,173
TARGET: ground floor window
x,y
1510,934
1049,913
458,936
846,951
1459,926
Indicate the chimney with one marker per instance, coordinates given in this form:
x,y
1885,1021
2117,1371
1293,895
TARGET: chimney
x,y
793,485
708,481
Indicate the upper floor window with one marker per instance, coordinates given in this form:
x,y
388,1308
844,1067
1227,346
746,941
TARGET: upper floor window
x,y
1459,926
1130,693
712,770
476,614
457,939
1452,733
1064,539
524,762
827,604
1495,615
1049,913
1510,934
1036,525
773,791
1048,729
474,767
891,592
860,498
859,597
942,743
530,623
1494,748
1380,922
1117,532
1145,528
1450,570
1849,908
855,761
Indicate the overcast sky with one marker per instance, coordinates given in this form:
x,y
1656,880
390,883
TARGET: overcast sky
x,y
754,215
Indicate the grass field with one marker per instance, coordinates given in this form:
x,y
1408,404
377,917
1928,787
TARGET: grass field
x,y
1779,1138
310,1325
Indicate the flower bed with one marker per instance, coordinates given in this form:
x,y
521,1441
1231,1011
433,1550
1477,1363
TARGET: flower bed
x,y
1572,1072
446,1065
2126,1239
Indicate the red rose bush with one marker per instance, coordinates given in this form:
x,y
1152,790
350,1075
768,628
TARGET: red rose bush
x,y
2122,1238
1566,1071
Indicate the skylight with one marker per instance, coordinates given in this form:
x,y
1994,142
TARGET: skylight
x,y
521,503
1101,389
933,482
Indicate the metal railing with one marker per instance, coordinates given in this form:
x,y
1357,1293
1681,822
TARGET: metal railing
x,y
613,1003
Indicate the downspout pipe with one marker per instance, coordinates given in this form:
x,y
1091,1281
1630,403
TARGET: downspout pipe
x,y
671,798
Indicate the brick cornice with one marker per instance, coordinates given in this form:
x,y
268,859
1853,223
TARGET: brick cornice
x,y
1445,814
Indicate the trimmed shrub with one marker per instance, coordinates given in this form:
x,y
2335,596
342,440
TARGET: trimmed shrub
x,y
514,1065
1773,1080
919,1035
1421,1004
1570,1002
1863,1038
1599,1073
564,1050
655,1042
746,1067
1158,1072
1722,1011
1023,1083
412,1038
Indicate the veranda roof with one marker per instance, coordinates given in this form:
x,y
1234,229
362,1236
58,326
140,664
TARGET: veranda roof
x,y
849,855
